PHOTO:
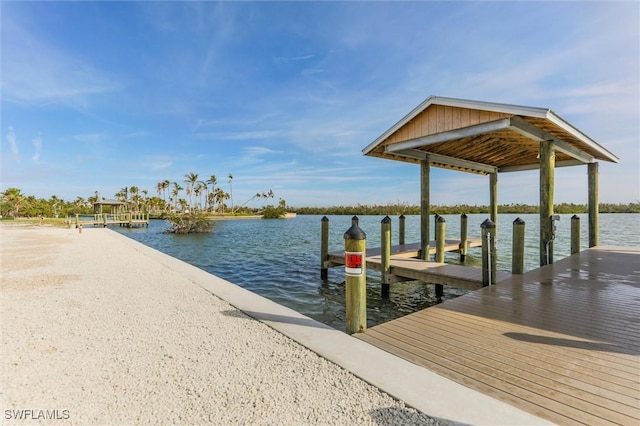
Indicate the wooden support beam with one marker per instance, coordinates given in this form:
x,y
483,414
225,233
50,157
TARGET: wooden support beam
x,y
424,208
493,198
592,171
547,177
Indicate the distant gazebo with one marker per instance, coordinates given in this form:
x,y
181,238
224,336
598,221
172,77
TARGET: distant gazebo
x,y
490,138
113,207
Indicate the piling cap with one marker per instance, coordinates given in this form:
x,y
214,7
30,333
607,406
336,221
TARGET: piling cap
x,y
441,219
575,217
518,221
324,219
355,233
487,224
386,219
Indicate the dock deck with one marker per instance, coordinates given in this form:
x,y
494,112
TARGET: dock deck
x,y
405,265
561,342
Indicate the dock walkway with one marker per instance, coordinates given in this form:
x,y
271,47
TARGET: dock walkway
x,y
561,342
405,265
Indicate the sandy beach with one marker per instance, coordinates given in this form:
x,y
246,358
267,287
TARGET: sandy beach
x,y
94,331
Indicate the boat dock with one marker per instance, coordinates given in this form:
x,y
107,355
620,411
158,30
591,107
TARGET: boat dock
x,y
561,342
128,219
405,265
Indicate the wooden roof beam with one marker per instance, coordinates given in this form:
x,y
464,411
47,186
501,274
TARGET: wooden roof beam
x,y
443,159
532,132
475,130
565,163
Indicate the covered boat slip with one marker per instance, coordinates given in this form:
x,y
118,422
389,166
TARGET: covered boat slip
x,y
490,138
561,342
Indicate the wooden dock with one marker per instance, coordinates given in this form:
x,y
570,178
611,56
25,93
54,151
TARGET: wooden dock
x,y
561,342
405,265
128,219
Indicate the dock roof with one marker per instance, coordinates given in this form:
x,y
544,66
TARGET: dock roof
x,y
484,137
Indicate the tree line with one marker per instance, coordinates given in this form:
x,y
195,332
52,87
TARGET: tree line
x,y
395,209
197,195
207,197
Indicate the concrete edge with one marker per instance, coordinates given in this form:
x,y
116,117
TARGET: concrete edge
x,y
424,390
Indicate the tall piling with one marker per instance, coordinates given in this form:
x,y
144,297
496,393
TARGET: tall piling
x,y
575,234
488,253
355,248
441,225
385,258
517,251
324,248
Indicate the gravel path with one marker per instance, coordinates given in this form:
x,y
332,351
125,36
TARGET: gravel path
x,y
96,332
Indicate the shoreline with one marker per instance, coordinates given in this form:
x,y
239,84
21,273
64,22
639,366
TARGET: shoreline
x,y
117,332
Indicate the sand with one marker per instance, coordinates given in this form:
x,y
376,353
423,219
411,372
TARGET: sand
x,y
95,331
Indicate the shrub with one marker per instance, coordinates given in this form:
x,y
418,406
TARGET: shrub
x,y
189,223
271,212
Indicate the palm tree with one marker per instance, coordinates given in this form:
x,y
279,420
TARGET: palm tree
x,y
220,197
190,180
231,190
175,192
14,198
212,180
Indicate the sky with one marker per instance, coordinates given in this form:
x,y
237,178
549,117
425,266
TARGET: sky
x,y
97,96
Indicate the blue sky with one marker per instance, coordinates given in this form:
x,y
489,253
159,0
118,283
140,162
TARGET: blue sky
x,y
97,96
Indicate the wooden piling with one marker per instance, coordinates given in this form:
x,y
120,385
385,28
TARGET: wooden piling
x,y
547,179
324,248
517,255
488,253
401,229
425,169
463,237
592,172
575,234
440,238
355,279
385,259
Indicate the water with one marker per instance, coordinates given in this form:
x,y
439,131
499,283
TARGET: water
x,y
280,259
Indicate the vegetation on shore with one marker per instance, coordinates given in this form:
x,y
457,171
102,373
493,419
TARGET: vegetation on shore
x,y
14,204
406,209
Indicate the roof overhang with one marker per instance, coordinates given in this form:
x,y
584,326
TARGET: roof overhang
x,y
483,137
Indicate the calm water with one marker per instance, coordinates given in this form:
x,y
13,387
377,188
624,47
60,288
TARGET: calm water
x,y
279,259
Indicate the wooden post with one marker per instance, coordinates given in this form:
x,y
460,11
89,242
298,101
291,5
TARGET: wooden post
x,y
592,171
517,255
435,228
575,234
355,279
547,177
440,238
464,244
488,253
401,225
493,199
324,248
385,258
424,208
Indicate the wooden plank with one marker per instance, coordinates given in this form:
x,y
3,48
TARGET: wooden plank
x,y
560,342
583,396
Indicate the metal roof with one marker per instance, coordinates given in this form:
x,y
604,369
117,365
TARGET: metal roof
x,y
484,137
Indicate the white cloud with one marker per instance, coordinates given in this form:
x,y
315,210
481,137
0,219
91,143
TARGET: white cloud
x,y
37,73
13,144
37,145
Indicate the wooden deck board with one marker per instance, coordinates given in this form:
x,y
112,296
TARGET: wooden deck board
x,y
561,342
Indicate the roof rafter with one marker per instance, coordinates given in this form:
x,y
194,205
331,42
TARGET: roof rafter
x,y
450,161
532,132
